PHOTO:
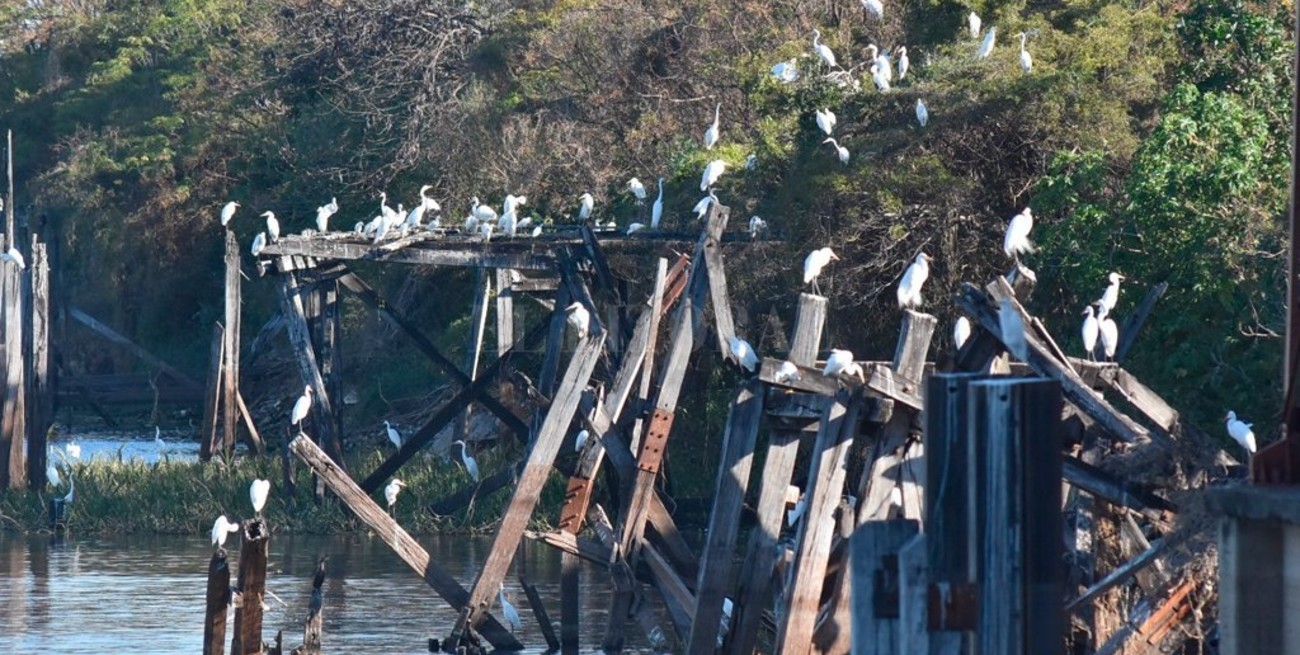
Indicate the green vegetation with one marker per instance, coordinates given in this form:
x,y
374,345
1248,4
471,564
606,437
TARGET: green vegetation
x,y
1151,139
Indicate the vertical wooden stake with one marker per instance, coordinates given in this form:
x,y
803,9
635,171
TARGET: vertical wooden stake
x,y
322,407
230,381
218,601
15,401
474,343
505,311
41,407
874,566
247,639
314,625
212,394
809,323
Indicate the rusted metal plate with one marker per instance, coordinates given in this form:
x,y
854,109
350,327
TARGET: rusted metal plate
x,y
576,498
656,439
952,606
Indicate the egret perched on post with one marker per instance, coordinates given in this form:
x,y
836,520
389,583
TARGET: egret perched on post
x,y
508,610
1109,333
903,62
1026,62
393,435
587,204
259,243
657,209
840,151
909,289
1091,331
12,255
875,8
1016,242
1110,296
221,528
826,121
756,225
301,407
272,226
786,71
512,203
743,353
416,215
787,372
879,78
471,466
634,185
961,332
481,212
390,493
579,318
822,50
323,214
922,114
1241,432
974,22
228,212
712,172
986,46
580,440
840,364
886,68
258,492
633,228
711,134
702,207
814,263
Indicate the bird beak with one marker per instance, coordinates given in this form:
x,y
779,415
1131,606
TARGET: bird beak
x,y
835,257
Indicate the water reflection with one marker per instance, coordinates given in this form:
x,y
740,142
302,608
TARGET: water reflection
x,y
146,593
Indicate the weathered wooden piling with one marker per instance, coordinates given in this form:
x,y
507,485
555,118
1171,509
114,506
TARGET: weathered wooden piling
x,y
876,588
218,602
13,422
251,588
208,442
230,349
314,626
322,406
40,405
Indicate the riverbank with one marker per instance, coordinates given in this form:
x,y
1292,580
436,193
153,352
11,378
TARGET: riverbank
x,y
184,497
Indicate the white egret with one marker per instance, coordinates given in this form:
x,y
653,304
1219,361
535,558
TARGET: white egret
x,y
416,215
875,8
879,78
711,134
826,121
634,185
840,364
508,610
259,243
909,289
272,226
52,475
814,263
228,212
1110,296
786,71
922,114
1109,333
580,440
787,372
301,407
513,203
471,466
537,231
960,332
258,493
1012,329
702,207
221,528
360,228
394,436
471,224
380,229
1091,331
12,255
973,21
751,162
712,172
391,216
508,223
390,492
579,317
481,212
886,68
756,226
822,50
588,203
158,440
323,214
657,209
986,46
903,62
743,353
634,228
1026,62
485,230
840,151
73,449
1016,242
523,223
1241,432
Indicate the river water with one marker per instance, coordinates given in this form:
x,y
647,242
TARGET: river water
x,y
145,594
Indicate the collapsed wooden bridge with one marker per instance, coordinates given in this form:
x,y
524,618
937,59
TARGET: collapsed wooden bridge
x,y
992,433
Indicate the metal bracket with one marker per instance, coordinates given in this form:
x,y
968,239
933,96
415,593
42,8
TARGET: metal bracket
x,y
656,436
576,498
952,606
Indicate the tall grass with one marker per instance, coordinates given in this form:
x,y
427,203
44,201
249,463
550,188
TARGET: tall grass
x,y
185,497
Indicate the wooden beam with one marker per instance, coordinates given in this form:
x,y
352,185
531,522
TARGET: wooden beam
x,y
217,602
13,420
251,588
1133,324
715,579
913,596
1113,489
472,254
322,407
913,346
1148,402
230,351
873,556
659,304
724,325
505,310
528,489
554,342
808,325
404,546
40,403
115,337
592,551
1127,570
474,341
212,396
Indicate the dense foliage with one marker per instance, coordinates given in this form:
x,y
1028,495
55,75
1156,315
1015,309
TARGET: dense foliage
x,y
1150,138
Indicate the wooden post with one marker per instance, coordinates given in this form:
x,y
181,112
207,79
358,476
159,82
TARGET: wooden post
x,y
404,546
218,601
658,305
230,356
874,566
322,407
474,342
554,342
14,419
41,405
809,323
724,325
10,207
212,394
330,329
913,597
1019,550
527,491
505,311
715,577
147,357
247,639
314,625
817,528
